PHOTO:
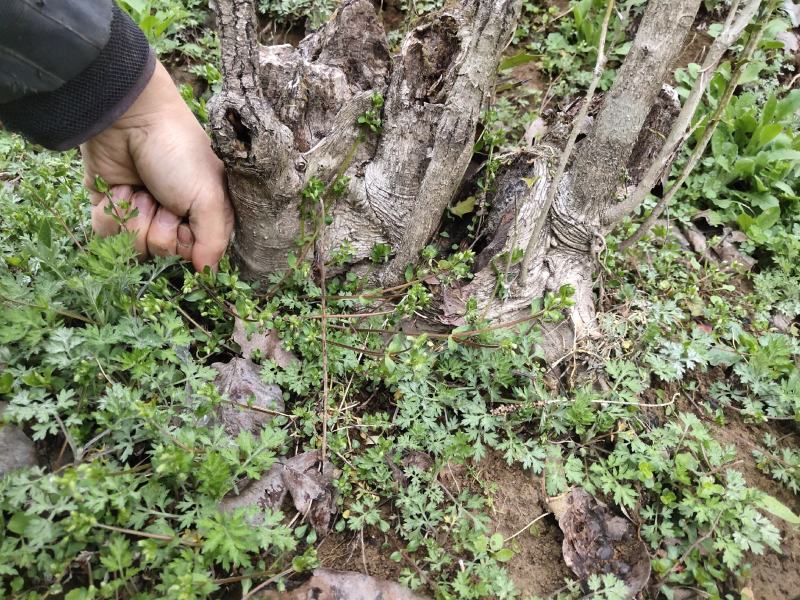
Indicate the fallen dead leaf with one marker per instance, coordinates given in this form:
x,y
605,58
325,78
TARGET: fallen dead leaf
x,y
596,541
267,342
251,403
781,322
417,460
730,254
311,490
696,239
326,584
454,306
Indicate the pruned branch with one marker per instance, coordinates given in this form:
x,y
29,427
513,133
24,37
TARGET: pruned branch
x,y
700,148
732,31
447,106
598,169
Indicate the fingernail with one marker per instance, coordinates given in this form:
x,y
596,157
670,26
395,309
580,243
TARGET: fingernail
x,y
185,237
164,217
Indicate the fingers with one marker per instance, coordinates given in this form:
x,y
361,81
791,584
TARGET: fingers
x,y
158,231
146,208
162,238
185,241
212,223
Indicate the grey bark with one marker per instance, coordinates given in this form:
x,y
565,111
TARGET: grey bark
x,y
627,132
288,114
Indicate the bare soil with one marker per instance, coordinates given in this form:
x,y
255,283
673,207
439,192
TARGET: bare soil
x,y
346,552
514,499
773,576
517,499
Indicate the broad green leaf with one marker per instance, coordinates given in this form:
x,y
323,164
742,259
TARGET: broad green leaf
x,y
6,382
777,508
464,207
517,60
504,555
496,542
788,106
767,133
769,109
19,523
751,72
45,235
744,167
783,154
138,6
768,218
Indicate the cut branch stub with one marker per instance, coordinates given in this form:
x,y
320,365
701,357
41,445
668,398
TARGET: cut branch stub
x,y
300,121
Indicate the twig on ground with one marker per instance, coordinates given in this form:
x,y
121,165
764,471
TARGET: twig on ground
x,y
528,526
269,581
146,534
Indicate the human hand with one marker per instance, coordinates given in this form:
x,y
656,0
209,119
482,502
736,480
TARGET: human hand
x,y
158,159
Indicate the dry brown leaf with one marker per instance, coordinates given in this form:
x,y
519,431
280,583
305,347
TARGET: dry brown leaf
x,y
417,460
747,593
312,491
251,403
596,541
781,322
267,342
454,306
326,584
729,253
696,239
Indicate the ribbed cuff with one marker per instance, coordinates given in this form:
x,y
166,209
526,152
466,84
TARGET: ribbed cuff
x,y
88,104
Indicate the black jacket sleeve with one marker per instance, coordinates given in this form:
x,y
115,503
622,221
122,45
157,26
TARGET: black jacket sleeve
x,y
68,68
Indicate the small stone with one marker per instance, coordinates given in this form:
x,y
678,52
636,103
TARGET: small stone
x,y
17,451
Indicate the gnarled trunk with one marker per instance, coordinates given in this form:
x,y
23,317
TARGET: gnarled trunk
x,y
287,115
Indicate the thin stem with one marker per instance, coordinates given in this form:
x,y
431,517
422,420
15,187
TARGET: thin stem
x,y
269,581
528,526
324,309
565,155
146,534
